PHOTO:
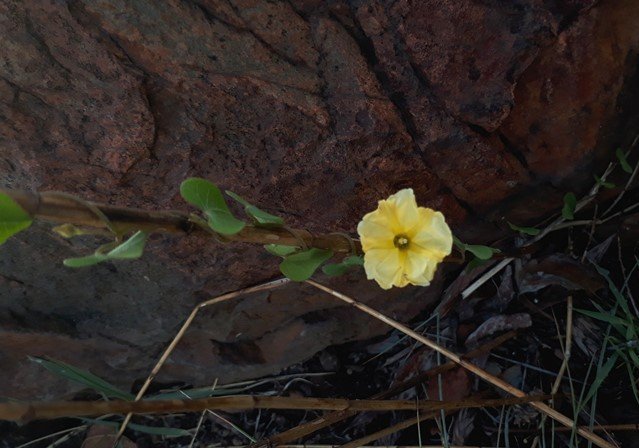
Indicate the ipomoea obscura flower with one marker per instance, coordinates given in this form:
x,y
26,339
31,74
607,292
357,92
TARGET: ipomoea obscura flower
x,y
403,243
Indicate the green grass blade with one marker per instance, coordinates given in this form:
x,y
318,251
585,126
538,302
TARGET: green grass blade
x,y
83,377
153,430
602,374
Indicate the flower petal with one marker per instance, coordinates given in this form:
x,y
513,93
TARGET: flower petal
x,y
420,267
375,231
384,266
432,234
405,210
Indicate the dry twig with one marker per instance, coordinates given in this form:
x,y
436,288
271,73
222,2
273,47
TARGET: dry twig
x,y
542,407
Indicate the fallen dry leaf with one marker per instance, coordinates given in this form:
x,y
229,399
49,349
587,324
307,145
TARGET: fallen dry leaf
x,y
103,437
463,426
557,269
456,385
494,324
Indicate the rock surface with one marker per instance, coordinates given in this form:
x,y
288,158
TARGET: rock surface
x,y
314,110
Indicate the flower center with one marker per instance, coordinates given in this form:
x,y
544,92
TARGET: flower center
x,y
401,241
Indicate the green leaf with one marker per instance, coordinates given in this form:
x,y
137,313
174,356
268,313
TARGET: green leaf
x,y
602,374
603,183
623,161
83,377
207,197
461,246
300,266
474,263
615,321
260,216
280,250
130,249
532,231
154,430
481,252
13,218
335,269
570,202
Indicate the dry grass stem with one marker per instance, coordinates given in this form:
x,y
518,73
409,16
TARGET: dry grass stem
x,y
27,411
542,407
564,365
331,418
187,323
481,402
484,278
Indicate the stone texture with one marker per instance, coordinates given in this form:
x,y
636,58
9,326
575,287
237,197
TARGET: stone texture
x,y
314,110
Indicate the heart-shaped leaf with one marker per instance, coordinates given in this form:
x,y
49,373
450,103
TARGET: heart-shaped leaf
x,y
128,250
131,248
301,265
280,250
207,197
13,218
570,202
260,216
532,231
335,269
481,252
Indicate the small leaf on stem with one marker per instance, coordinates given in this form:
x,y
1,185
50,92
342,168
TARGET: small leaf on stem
x,y
570,202
261,217
207,197
335,269
301,265
13,218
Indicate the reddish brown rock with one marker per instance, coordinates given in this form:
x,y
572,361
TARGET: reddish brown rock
x,y
570,91
313,110
471,54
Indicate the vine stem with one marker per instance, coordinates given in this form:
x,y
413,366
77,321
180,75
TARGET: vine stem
x,y
67,209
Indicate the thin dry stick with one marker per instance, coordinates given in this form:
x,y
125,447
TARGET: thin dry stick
x,y
388,431
26,411
201,419
542,407
187,323
368,446
331,418
602,428
564,364
487,276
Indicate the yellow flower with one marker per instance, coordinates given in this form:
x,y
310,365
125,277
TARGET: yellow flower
x,y
403,243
